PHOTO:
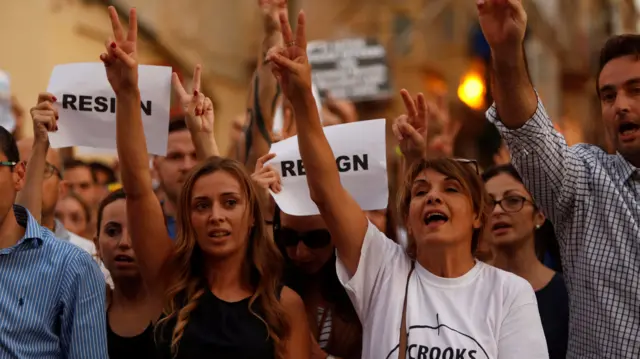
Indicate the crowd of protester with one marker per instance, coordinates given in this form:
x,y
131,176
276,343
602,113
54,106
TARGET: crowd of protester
x,y
187,255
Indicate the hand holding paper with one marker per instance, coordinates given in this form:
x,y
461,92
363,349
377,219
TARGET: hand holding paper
x,y
197,107
121,60
266,176
411,128
292,67
45,117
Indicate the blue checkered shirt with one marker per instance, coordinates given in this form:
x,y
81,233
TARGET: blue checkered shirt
x,y
593,200
52,298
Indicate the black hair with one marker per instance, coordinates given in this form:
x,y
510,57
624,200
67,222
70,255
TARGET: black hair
x,y
545,236
616,47
177,124
72,163
97,167
110,198
331,289
8,145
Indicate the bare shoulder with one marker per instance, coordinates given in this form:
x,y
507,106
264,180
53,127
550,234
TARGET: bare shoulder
x,y
291,300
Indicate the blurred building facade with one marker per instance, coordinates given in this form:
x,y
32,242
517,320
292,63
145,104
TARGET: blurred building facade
x,y
429,47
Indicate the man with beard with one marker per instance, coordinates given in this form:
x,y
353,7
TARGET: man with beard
x,y
173,168
592,197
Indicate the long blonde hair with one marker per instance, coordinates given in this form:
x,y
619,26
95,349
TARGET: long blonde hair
x,y
185,267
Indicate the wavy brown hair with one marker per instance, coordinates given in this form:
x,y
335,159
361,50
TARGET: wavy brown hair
x,y
472,186
187,281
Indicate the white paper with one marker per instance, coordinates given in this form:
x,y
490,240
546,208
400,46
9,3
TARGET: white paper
x,y
367,186
278,116
7,119
87,126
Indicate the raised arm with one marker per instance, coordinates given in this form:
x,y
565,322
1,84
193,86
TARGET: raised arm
x,y
199,115
150,239
345,219
549,168
45,118
264,87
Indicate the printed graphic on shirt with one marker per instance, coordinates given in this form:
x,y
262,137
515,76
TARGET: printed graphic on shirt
x,y
440,341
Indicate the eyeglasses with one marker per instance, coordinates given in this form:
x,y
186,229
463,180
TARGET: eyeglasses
x,y
472,163
316,239
510,204
8,163
49,170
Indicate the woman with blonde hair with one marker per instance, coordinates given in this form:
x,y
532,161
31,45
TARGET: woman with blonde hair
x,y
221,281
434,300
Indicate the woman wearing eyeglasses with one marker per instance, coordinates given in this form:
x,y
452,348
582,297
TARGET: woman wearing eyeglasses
x,y
433,300
310,270
514,222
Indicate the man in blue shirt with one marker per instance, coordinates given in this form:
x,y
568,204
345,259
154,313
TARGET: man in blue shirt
x,y
52,293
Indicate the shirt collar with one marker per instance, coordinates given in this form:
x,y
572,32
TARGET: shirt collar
x,y
626,168
59,231
33,230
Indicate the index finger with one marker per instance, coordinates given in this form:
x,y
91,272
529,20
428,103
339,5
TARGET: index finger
x,y
196,78
46,96
118,33
264,159
133,25
301,37
177,86
408,103
285,27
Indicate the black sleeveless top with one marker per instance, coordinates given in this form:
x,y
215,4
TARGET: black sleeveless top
x,y
221,330
140,346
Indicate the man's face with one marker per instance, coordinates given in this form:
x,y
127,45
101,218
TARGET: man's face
x,y
619,85
80,181
11,182
172,170
52,180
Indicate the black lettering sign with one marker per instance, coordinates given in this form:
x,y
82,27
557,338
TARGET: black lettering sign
x,y
435,353
98,104
345,164
422,352
353,68
447,353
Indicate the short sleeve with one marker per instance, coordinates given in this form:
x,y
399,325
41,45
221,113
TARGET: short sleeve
x,y
521,333
380,259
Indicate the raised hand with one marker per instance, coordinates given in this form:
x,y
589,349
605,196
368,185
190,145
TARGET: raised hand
x,y
291,65
45,117
121,60
270,13
197,107
266,177
503,23
442,144
411,128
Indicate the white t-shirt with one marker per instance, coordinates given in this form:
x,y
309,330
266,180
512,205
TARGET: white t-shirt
x,y
486,313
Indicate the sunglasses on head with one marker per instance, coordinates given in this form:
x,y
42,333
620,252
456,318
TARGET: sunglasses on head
x,y
315,239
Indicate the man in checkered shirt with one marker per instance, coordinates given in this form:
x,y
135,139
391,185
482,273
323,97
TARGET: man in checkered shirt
x,y
593,198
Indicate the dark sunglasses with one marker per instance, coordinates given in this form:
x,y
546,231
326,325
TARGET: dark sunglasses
x,y
315,239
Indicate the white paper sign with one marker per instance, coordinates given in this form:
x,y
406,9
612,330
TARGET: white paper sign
x,y
87,106
361,158
6,114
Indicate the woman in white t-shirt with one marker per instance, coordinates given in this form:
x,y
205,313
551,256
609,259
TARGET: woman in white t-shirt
x,y
456,307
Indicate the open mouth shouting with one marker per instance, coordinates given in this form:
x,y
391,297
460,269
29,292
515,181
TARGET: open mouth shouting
x,y
435,218
123,260
628,130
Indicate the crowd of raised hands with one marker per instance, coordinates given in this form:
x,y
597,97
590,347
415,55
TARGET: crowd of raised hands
x,y
214,268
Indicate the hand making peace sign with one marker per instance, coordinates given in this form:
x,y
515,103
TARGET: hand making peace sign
x,y
121,60
411,128
196,105
291,65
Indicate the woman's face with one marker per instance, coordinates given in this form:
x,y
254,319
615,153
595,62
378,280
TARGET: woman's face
x,y
114,243
518,223
220,214
71,213
307,241
440,211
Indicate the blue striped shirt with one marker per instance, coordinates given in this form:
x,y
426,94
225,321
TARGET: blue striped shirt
x,y
52,298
